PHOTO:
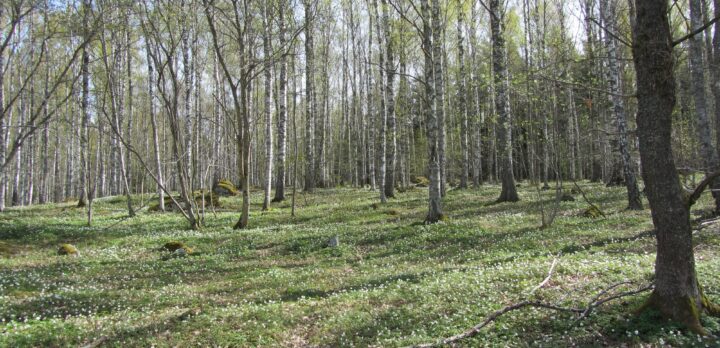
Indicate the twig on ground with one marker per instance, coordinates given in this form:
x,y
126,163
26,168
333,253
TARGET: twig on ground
x,y
547,279
594,303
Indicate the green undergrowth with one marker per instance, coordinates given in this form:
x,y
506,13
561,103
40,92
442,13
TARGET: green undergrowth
x,y
392,281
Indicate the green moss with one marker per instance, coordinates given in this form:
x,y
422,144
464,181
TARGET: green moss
x,y
68,249
225,188
174,246
593,212
420,181
207,198
710,307
682,309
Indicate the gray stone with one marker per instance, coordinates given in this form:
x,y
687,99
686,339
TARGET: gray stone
x,y
334,242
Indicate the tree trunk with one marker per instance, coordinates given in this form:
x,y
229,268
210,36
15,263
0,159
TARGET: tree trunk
x,y
708,152
462,106
3,140
370,125
439,90
153,120
282,110
45,151
677,292
620,142
391,129
478,116
309,91
84,130
715,86
187,156
430,107
268,111
502,103
382,164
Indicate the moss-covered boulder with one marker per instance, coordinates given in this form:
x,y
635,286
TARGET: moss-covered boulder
x,y
225,188
593,212
207,199
68,250
420,181
177,247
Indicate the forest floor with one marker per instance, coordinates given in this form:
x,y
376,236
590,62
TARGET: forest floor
x,y
392,281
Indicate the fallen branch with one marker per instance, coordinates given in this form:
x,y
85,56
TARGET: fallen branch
x,y
594,303
597,302
547,279
492,317
695,195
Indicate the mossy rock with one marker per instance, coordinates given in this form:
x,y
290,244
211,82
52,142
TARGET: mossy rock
x,y
177,247
68,250
209,198
593,212
420,181
225,188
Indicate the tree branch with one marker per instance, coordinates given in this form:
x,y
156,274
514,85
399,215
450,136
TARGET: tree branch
x,y
617,37
594,303
695,195
695,32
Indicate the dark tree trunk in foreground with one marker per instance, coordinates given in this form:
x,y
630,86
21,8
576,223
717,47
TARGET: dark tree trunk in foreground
x,y
677,292
502,103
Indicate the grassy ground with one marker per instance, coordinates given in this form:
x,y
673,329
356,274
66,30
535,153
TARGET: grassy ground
x,y
392,282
